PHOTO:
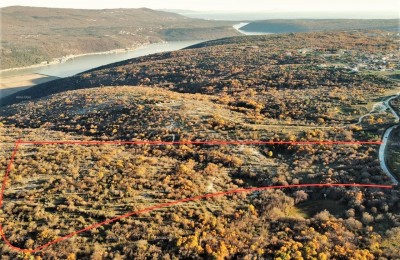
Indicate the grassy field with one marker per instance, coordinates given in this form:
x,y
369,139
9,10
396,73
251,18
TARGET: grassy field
x,y
310,208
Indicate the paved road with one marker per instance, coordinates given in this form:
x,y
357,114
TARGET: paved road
x,y
382,155
387,104
385,139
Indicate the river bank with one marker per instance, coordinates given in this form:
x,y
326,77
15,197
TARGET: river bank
x,y
74,64
240,25
29,76
64,59
61,60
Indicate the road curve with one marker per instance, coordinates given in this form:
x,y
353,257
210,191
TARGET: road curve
x,y
387,104
382,155
385,139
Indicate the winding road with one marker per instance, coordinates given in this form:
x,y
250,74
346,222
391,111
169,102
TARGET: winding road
x,y
385,139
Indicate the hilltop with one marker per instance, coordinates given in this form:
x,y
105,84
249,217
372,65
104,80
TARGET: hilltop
x,y
31,35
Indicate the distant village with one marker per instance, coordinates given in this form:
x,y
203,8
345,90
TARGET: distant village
x,y
349,59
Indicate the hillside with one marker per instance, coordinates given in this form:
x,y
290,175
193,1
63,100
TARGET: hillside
x,y
31,35
72,186
268,88
313,61
311,25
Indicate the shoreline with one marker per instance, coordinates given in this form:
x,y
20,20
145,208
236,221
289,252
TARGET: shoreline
x,y
247,33
73,56
15,79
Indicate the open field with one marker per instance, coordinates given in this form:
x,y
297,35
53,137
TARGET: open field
x,y
310,208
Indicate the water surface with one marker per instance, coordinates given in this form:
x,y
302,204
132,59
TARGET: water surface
x,y
87,62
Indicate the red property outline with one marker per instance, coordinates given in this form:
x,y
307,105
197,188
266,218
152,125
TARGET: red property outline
x,y
175,202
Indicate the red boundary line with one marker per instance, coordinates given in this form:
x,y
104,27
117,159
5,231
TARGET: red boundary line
x,y
216,142
167,204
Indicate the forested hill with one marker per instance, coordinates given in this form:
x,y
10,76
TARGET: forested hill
x,y
309,25
231,65
31,35
280,89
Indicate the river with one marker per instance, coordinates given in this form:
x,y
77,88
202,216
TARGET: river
x,y
14,80
240,25
82,63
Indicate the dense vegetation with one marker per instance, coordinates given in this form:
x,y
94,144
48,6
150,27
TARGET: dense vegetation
x,y
261,64
32,35
246,88
311,25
